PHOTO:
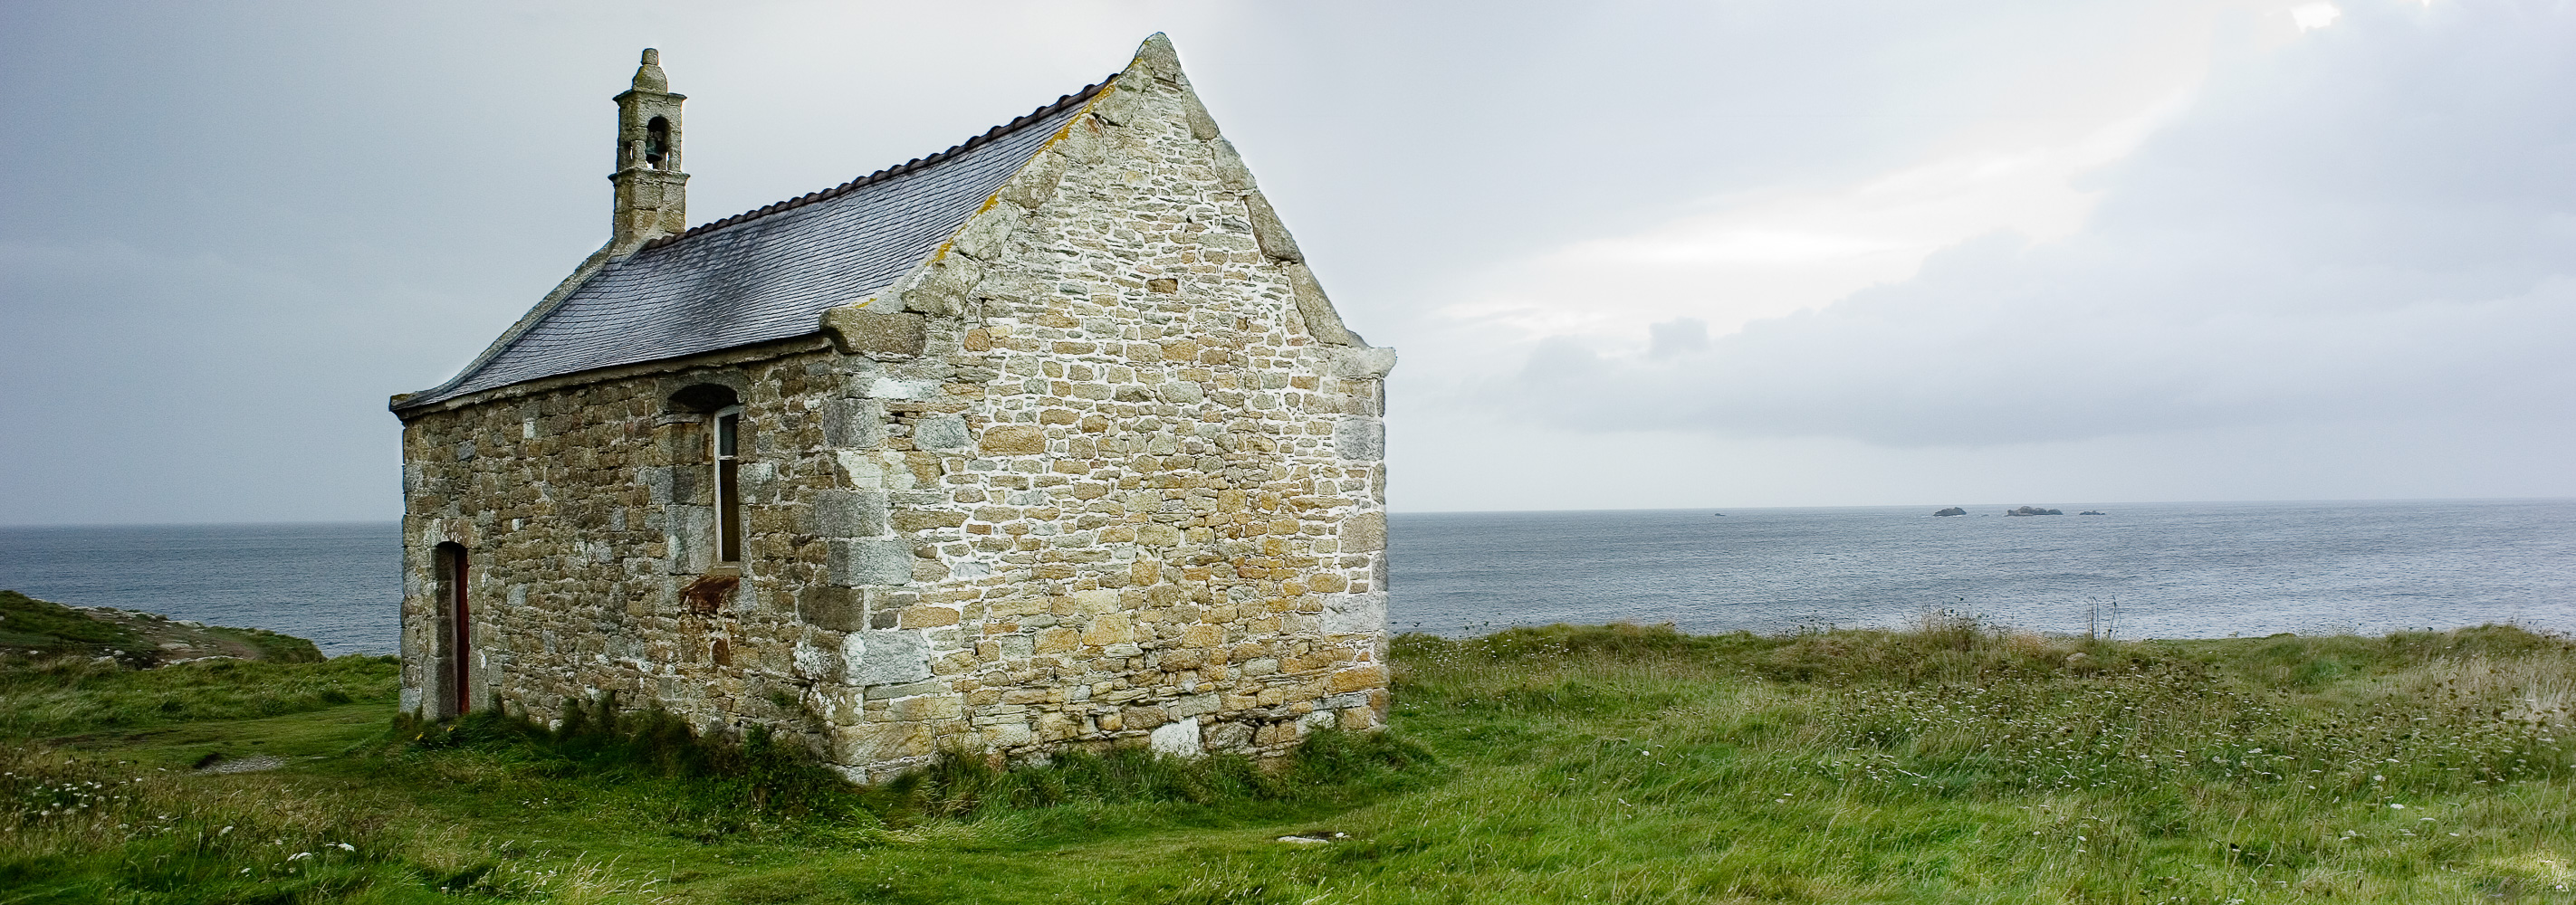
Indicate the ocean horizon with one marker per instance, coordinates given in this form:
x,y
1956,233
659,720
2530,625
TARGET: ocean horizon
x,y
2178,570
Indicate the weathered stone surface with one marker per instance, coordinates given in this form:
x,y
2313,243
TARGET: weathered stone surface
x,y
1178,739
650,188
891,657
1202,126
866,561
1156,59
1084,142
1194,705
857,330
853,423
1119,106
986,235
942,287
850,513
692,538
1361,362
1158,535
1322,321
1359,677
1035,183
1057,641
831,607
1142,717
1014,440
1230,171
940,432
1226,736
1360,438
871,743
1269,233
1364,533
1355,614
1108,471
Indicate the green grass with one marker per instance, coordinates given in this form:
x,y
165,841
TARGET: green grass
x,y
38,633
71,695
1618,764
31,627
269,646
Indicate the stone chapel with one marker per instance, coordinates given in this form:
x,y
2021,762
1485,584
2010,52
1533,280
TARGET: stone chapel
x,y
1046,440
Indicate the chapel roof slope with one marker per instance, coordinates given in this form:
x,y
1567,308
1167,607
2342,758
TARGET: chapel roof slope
x,y
765,274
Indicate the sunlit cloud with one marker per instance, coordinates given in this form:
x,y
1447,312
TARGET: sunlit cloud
x,y
1730,261
2313,16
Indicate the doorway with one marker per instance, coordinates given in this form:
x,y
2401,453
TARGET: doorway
x,y
457,623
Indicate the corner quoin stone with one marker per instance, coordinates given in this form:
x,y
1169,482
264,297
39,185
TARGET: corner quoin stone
x,y
855,330
870,560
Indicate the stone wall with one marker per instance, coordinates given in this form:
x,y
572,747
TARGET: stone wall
x,y
1107,470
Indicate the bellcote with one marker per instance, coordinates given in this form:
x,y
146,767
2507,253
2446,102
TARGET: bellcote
x,y
652,191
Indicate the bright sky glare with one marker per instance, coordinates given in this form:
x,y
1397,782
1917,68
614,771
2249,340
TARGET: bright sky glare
x,y
1632,254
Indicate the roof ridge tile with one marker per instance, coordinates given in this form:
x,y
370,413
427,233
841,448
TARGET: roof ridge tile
x,y
909,166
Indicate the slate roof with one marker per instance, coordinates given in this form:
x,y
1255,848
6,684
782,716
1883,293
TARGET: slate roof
x,y
766,274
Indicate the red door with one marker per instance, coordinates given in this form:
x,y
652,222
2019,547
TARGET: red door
x,y
463,644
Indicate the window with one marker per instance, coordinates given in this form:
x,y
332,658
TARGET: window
x,y
717,410
704,398
728,441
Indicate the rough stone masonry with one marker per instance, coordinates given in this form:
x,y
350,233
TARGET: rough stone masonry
x,y
1051,440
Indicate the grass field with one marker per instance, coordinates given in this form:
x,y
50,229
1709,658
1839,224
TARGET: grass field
x,y
36,631
1619,764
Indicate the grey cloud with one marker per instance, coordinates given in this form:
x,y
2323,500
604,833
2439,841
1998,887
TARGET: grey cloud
x,y
233,229
1679,336
144,387
2378,223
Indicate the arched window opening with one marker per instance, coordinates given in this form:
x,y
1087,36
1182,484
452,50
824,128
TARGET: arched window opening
x,y
657,143
456,628
704,398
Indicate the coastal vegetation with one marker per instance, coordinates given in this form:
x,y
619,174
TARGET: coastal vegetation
x,y
1953,762
32,629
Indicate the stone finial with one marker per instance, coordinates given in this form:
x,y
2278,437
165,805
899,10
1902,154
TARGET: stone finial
x,y
649,77
1156,58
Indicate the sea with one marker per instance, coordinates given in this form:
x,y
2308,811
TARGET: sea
x,y
2140,570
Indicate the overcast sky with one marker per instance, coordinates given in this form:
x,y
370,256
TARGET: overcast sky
x,y
1633,255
